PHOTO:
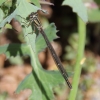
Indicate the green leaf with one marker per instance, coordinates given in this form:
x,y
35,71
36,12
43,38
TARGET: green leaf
x,y
30,37
39,81
40,42
51,34
32,40
78,7
14,50
42,87
36,2
8,19
27,7
23,9
2,1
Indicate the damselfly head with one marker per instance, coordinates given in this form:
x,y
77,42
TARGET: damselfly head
x,y
33,15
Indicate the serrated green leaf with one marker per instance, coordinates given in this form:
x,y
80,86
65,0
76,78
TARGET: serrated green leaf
x,y
27,7
8,19
23,9
78,7
39,81
42,87
51,34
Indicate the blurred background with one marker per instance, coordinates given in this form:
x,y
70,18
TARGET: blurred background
x,y
15,69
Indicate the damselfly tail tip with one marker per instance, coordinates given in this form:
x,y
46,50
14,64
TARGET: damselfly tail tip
x,y
69,85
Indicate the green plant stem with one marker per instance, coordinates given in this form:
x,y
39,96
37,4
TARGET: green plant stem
x,y
77,72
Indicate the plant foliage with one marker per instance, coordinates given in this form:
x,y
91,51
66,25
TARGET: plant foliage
x,y
40,81
78,7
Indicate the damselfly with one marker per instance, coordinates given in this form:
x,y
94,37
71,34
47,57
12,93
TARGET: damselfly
x,y
33,17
